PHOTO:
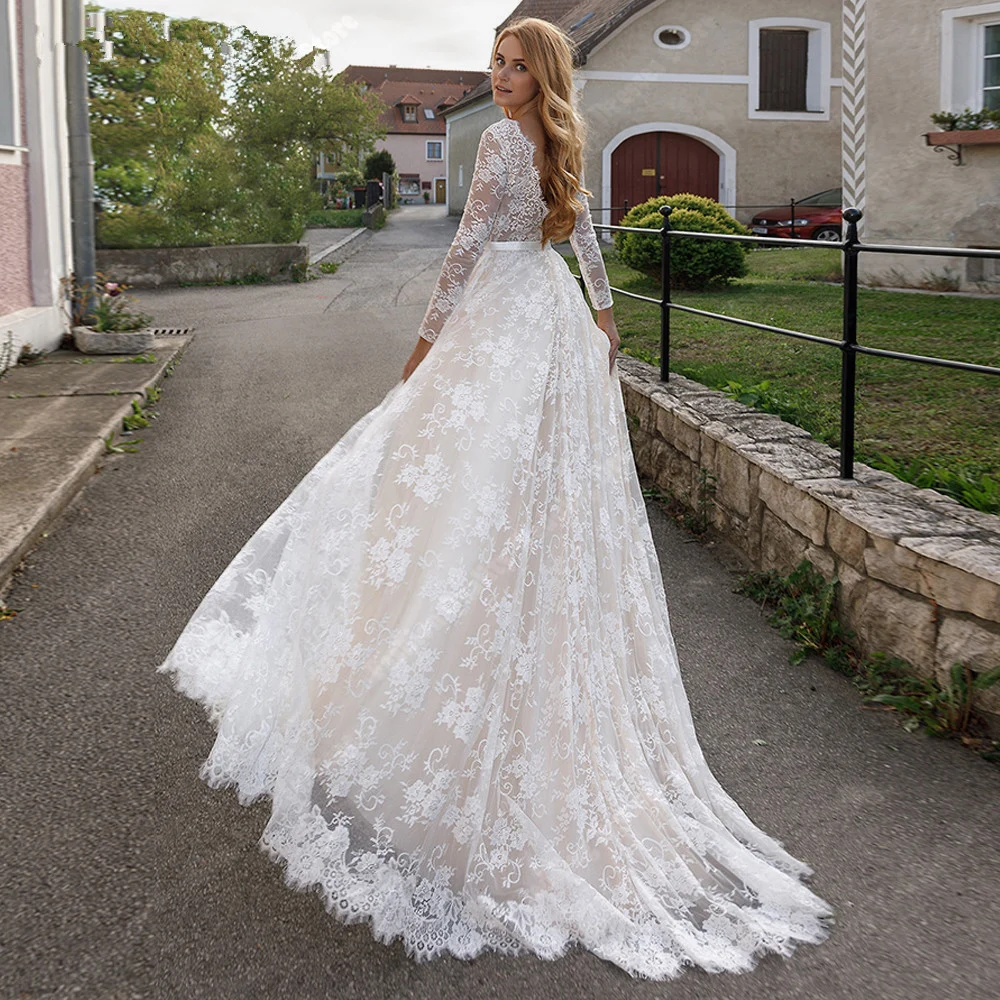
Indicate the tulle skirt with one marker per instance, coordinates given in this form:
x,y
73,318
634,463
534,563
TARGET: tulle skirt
x,y
447,660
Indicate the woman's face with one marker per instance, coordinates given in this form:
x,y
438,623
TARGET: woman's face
x,y
513,85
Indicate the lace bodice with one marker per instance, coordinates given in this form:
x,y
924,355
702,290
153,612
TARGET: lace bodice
x,y
506,203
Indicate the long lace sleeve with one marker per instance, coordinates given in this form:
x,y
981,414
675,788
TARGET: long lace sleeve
x,y
489,182
583,240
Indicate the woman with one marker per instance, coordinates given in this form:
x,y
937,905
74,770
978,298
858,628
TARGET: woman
x,y
446,657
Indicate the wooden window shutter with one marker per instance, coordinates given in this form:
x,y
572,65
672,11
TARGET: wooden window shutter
x,y
784,67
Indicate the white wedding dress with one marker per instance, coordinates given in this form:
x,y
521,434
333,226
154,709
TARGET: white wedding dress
x,y
446,656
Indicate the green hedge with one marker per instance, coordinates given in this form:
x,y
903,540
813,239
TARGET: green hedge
x,y
694,263
336,218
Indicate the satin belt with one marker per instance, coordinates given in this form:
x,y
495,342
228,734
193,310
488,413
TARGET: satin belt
x,y
515,244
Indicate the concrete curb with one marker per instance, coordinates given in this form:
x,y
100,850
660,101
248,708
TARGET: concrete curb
x,y
344,247
18,544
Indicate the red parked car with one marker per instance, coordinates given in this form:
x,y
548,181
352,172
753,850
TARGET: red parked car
x,y
818,217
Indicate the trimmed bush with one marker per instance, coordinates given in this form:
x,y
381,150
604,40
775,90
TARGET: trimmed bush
x,y
694,263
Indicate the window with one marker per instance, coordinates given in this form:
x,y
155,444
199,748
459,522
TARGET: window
x,y
833,198
672,37
409,185
409,112
434,150
790,62
429,113
9,110
970,57
784,69
991,66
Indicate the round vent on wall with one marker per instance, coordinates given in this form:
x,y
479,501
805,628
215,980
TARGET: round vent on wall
x,y
669,36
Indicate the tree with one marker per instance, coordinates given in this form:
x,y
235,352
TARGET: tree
x,y
151,99
210,136
378,163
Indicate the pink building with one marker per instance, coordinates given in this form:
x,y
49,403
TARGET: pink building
x,y
35,230
415,100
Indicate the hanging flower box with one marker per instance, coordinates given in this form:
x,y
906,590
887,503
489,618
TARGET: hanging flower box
x,y
965,137
953,141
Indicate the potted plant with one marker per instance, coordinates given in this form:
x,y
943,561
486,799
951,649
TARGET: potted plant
x,y
965,128
110,325
427,197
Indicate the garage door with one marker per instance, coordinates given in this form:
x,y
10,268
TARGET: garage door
x,y
654,163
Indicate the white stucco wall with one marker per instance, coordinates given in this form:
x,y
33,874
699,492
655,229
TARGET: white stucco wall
x,y
914,194
44,156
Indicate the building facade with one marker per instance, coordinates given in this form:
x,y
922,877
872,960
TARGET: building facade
x,y
738,100
910,59
415,101
35,233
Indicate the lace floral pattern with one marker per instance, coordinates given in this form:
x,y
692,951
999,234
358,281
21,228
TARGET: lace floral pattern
x,y
446,658
505,203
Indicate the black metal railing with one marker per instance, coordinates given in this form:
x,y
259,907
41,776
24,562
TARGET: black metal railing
x,y
848,345
793,224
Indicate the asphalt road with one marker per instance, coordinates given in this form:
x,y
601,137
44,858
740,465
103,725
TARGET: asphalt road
x,y
123,876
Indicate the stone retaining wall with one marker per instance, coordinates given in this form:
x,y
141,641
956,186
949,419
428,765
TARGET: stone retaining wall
x,y
199,265
919,573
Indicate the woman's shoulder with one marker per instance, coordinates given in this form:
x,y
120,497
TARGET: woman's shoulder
x,y
496,140
498,131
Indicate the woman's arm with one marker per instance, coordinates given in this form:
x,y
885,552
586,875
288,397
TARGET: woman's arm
x,y
487,188
583,240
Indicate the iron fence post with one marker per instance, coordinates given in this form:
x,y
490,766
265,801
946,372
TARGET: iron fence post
x,y
792,217
665,211
848,356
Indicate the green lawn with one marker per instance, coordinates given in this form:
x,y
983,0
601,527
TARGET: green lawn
x,y
906,412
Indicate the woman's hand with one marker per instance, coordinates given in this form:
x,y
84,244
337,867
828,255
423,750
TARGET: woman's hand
x,y
606,321
418,355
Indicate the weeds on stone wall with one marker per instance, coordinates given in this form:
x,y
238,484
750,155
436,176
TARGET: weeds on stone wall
x,y
803,606
697,520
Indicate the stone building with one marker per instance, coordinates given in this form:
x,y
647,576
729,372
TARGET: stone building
x,y
738,100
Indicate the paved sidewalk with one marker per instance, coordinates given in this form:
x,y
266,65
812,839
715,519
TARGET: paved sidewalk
x,y
54,418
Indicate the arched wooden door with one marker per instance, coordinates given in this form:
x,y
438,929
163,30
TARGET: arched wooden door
x,y
654,163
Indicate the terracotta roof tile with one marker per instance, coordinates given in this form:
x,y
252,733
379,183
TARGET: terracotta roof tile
x,y
433,89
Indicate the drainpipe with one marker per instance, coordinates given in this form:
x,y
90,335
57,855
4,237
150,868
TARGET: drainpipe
x,y
81,160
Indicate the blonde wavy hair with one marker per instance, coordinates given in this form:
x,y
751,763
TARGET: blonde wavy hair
x,y
548,57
